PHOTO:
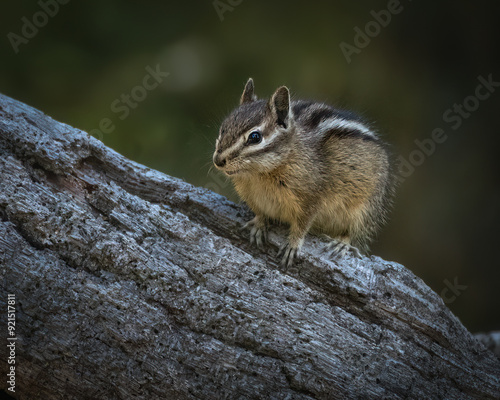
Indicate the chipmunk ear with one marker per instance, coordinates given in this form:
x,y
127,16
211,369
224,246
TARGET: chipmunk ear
x,y
248,93
280,106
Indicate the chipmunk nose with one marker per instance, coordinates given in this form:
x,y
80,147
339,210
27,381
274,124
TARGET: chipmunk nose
x,y
218,161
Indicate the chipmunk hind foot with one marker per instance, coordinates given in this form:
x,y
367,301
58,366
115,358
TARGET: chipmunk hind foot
x,y
338,248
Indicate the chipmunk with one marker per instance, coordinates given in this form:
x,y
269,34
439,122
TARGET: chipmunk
x,y
308,164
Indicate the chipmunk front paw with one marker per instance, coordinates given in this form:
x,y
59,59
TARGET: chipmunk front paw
x,y
289,253
258,231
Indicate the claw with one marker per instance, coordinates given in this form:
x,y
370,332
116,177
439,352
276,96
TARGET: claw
x,y
258,231
249,224
289,253
339,249
282,249
258,236
356,252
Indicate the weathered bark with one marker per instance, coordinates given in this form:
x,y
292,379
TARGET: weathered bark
x,y
491,341
133,284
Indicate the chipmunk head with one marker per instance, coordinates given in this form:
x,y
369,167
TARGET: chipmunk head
x,y
252,137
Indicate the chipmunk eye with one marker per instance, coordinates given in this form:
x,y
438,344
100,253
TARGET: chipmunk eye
x,y
254,137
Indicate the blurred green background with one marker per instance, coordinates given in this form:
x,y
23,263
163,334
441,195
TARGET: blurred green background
x,y
426,59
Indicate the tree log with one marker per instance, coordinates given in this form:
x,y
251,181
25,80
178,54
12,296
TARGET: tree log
x,y
129,283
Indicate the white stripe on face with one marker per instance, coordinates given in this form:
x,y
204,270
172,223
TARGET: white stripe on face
x,y
242,140
238,145
345,124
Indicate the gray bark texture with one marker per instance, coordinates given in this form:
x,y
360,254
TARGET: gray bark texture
x,y
130,284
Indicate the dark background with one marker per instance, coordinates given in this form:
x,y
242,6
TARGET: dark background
x,y
424,61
